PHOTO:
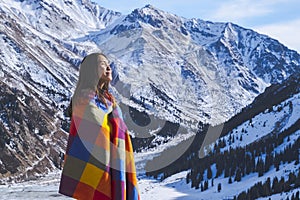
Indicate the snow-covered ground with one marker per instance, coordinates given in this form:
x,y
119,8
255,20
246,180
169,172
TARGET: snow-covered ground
x,y
45,188
171,188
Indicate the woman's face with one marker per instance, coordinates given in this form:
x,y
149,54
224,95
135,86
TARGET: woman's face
x,y
104,69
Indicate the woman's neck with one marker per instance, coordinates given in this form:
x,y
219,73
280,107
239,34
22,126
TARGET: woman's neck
x,y
102,85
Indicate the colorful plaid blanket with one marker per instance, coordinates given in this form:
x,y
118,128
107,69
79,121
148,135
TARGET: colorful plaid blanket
x,y
99,162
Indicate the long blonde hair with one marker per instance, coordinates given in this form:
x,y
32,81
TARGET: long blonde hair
x,y
89,81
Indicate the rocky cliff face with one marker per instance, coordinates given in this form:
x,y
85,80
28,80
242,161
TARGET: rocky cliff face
x,y
30,137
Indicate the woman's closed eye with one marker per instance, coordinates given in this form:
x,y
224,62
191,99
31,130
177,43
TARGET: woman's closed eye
x,y
104,63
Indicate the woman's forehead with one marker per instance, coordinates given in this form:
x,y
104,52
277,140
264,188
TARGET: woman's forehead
x,y
102,58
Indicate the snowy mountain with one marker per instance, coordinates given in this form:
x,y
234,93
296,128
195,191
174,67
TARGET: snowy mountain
x,y
221,67
171,74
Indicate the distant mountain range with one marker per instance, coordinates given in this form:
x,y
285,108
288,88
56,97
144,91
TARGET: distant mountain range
x,y
172,75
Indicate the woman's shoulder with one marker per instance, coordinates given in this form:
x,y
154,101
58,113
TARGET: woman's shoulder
x,y
83,97
108,107
117,111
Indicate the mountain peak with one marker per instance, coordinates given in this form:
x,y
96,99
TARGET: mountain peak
x,y
147,14
150,8
151,15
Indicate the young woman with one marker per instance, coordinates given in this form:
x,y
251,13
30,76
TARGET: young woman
x,y
99,162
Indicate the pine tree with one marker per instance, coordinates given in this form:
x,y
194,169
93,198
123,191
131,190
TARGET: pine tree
x,y
205,185
219,187
193,180
242,196
276,162
248,164
275,186
297,195
292,178
260,167
238,175
197,186
281,185
188,177
253,163
216,148
268,162
267,188
253,192
290,105
222,143
229,180
209,173
227,170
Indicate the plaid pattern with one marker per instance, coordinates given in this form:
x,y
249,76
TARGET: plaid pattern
x,y
99,162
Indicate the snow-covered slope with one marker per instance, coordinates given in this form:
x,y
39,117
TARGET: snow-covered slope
x,y
259,144
60,19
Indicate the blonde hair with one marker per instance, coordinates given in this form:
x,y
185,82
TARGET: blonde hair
x,y
88,80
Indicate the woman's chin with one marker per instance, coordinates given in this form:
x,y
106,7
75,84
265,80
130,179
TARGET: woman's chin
x,y
109,79
106,78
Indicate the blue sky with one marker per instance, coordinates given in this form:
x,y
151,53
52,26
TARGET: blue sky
x,y
279,19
